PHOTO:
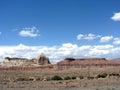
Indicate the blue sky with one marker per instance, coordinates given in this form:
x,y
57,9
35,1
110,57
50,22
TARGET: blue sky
x,y
57,23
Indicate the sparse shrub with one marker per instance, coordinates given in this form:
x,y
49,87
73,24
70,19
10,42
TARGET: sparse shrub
x,y
67,78
56,77
81,77
59,82
30,79
90,77
103,75
97,89
22,79
38,79
114,74
73,77
5,82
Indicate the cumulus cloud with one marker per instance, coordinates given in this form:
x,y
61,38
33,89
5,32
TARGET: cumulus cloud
x,y
102,39
29,32
106,39
116,16
116,41
101,50
58,53
89,36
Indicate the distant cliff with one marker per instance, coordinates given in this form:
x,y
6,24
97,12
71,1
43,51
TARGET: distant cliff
x,y
40,60
68,63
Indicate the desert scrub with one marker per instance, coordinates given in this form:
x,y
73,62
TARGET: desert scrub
x,y
73,77
67,78
102,75
114,74
81,77
90,77
38,79
23,79
5,82
56,77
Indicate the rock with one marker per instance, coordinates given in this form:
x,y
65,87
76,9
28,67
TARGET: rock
x,y
42,59
82,63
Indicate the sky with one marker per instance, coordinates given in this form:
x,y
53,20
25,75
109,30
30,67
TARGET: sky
x,y
60,28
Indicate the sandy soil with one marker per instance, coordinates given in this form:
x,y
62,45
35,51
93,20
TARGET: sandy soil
x,y
8,79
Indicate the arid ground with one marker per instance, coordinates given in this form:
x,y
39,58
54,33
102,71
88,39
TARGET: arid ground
x,y
91,78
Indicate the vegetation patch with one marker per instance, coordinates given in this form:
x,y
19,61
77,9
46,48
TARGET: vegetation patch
x,y
90,77
102,75
73,77
114,74
81,77
38,79
24,79
56,77
67,78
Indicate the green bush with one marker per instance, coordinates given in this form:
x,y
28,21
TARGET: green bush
x,y
73,77
67,78
56,77
81,77
103,75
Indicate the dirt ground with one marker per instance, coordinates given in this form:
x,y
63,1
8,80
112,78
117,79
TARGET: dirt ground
x,y
40,79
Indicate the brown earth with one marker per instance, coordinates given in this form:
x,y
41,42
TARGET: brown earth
x,y
69,63
39,78
8,79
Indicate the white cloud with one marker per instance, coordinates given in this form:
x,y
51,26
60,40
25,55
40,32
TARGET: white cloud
x,y
98,51
0,33
57,53
106,39
116,16
89,36
29,32
80,36
116,41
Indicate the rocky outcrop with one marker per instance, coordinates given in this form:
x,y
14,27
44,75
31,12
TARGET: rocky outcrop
x,y
82,63
16,61
42,59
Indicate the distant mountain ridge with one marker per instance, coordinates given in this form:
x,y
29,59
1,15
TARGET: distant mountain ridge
x,y
116,59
